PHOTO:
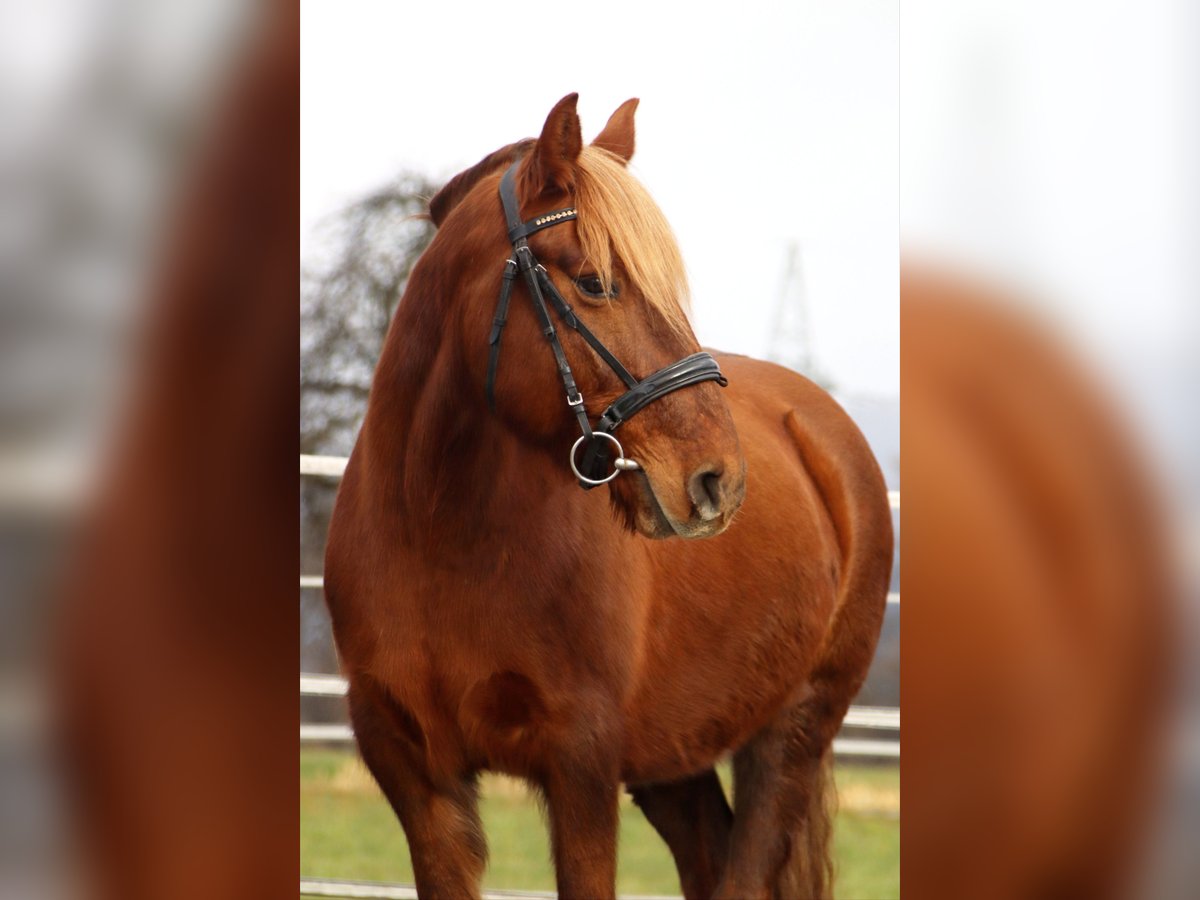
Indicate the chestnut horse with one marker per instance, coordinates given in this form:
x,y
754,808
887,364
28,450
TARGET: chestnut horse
x,y
490,615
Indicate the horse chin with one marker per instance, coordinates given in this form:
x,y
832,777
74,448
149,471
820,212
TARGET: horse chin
x,y
642,510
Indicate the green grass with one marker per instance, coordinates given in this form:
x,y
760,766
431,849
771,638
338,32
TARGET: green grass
x,y
348,831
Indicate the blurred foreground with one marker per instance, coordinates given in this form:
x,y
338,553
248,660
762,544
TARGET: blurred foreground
x,y
1050,338
1041,638
138,451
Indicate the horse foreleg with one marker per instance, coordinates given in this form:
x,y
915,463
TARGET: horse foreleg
x,y
694,818
582,803
440,815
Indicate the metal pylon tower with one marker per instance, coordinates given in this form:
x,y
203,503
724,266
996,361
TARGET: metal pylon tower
x,y
791,334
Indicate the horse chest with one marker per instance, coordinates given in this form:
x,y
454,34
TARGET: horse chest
x,y
499,659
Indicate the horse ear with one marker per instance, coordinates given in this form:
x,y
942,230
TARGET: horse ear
x,y
553,164
617,136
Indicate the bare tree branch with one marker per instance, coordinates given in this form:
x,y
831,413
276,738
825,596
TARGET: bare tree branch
x,y
347,298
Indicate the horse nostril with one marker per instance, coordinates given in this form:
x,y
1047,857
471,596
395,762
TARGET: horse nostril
x,y
705,489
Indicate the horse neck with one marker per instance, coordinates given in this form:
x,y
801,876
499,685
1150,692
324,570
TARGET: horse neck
x,y
440,470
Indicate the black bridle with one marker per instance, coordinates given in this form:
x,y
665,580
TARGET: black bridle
x,y
599,440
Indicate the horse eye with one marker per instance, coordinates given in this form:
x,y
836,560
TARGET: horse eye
x,y
594,287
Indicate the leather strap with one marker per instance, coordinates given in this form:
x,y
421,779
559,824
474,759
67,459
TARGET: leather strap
x,y
571,320
545,221
688,371
508,199
574,398
506,283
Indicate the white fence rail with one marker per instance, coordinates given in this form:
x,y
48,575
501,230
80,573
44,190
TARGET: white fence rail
x,y
326,466
322,685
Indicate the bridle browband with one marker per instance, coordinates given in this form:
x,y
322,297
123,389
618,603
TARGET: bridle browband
x,y
694,369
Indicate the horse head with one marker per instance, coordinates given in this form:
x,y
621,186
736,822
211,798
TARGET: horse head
x,y
611,259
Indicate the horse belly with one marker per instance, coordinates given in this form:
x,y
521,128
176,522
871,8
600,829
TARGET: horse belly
x,y
707,691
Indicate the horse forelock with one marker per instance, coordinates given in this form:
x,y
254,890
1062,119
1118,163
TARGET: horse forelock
x,y
617,219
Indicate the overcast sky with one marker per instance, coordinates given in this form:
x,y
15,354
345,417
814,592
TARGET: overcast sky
x,y
759,124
